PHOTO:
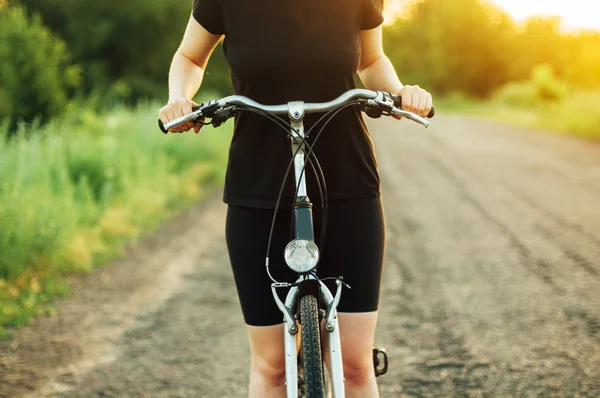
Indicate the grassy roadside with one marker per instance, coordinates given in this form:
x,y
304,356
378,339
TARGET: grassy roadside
x,y
577,114
77,189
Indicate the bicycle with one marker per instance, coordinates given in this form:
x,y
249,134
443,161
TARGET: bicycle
x,y
309,301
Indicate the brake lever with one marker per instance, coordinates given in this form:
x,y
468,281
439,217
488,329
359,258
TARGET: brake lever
x,y
372,110
221,116
376,107
409,115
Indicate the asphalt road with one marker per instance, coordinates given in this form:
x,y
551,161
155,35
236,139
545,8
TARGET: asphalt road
x,y
491,284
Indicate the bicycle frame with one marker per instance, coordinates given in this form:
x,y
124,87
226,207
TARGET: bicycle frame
x,y
304,230
308,283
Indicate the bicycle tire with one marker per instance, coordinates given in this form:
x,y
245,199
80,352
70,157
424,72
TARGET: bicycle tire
x,y
327,392
311,347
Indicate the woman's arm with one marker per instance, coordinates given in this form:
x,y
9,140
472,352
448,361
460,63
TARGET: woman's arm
x,y
186,72
377,73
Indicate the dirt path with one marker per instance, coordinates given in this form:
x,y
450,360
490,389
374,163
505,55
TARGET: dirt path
x,y
491,287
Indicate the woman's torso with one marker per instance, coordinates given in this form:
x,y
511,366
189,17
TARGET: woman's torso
x,y
281,51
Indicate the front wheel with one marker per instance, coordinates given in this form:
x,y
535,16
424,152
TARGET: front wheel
x,y
311,347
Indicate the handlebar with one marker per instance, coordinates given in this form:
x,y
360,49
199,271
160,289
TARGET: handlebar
x,y
223,109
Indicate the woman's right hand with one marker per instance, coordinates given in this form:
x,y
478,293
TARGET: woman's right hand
x,y
178,108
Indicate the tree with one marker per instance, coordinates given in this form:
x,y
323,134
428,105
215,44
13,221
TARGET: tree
x,y
447,46
124,46
36,74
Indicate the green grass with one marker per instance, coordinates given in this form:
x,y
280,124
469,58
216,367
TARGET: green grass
x,y
74,191
577,114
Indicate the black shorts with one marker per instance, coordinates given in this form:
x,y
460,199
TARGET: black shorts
x,y
353,248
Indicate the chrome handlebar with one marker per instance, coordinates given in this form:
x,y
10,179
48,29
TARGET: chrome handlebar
x,y
378,99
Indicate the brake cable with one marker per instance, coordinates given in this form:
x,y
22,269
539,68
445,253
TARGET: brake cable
x,y
310,157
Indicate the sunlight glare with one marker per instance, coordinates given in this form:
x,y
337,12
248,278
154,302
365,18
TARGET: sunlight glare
x,y
574,13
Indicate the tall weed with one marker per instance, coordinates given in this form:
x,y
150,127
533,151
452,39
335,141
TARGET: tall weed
x,y
74,191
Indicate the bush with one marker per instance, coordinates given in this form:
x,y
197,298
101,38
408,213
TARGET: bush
x,y
125,47
548,87
542,88
36,73
579,114
522,94
69,190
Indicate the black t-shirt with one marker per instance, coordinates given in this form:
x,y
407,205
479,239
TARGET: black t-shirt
x,y
280,51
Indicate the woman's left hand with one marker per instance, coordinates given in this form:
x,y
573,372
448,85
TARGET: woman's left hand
x,y
416,100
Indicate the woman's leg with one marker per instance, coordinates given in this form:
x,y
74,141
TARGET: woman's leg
x,y
267,362
354,249
357,334
247,232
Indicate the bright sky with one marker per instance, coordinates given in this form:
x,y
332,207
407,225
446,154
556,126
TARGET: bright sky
x,y
575,13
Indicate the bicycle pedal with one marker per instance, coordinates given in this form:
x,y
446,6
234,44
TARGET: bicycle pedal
x,y
380,361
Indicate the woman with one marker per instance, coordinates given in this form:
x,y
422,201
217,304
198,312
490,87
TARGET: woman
x,y
281,51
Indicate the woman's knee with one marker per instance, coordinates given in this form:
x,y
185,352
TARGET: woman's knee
x,y
267,353
357,332
269,368
358,367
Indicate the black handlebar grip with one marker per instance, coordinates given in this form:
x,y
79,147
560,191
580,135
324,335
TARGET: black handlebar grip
x,y
162,126
398,103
